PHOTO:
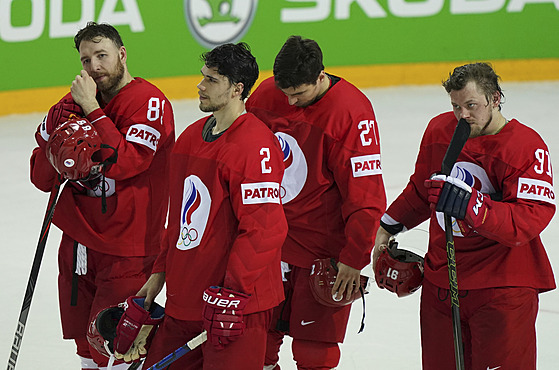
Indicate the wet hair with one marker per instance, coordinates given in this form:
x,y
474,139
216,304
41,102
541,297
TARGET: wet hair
x,y
299,62
95,31
481,73
236,62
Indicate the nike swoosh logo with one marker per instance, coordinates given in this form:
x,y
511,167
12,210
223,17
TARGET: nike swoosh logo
x,y
493,368
305,323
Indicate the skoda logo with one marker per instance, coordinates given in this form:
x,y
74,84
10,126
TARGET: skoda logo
x,y
216,22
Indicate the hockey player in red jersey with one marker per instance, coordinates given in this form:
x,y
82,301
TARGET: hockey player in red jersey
x,y
500,195
332,191
221,256
112,225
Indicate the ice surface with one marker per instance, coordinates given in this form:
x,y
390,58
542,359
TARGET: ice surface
x,y
391,336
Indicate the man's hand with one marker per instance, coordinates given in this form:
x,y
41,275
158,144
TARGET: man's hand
x,y
134,329
381,243
84,91
457,199
138,348
348,281
151,288
448,195
223,315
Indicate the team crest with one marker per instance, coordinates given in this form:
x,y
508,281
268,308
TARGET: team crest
x,y
216,22
476,177
97,191
295,163
194,215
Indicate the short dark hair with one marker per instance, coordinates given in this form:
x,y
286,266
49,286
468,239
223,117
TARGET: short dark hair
x,y
94,30
236,62
299,62
482,74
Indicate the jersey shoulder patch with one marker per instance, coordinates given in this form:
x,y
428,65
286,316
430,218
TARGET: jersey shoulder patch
x,y
144,135
260,192
535,190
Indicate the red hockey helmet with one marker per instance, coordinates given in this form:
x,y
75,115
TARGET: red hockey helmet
x,y
105,326
73,149
102,329
399,270
322,279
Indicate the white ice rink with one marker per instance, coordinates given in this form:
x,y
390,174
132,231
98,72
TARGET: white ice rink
x,y
391,336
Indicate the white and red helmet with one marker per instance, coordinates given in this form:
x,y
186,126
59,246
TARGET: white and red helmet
x,y
322,279
115,327
73,149
398,270
102,329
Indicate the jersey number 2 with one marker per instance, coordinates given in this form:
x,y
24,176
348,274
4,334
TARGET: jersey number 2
x,y
265,152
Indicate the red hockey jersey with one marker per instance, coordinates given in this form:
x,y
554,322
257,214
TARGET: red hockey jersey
x,y
138,122
332,191
514,168
226,223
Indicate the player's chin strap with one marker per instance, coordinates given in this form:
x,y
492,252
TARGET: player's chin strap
x,y
111,361
111,160
362,327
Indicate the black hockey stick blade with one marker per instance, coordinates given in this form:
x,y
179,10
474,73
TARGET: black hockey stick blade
x,y
459,138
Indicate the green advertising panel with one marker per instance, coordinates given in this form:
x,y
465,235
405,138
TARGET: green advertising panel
x,y
165,38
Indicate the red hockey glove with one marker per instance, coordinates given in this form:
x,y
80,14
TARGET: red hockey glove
x,y
135,328
57,115
223,315
60,113
457,199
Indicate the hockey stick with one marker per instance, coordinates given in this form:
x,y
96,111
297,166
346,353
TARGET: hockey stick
x,y
181,351
34,274
459,138
135,365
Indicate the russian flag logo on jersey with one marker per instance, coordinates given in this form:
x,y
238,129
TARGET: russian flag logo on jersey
x,y
296,170
192,204
194,213
287,155
476,177
468,177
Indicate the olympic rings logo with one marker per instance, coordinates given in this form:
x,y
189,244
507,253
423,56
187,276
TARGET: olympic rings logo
x,y
188,236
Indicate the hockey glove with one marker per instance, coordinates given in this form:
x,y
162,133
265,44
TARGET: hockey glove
x,y
60,113
57,115
135,328
223,315
457,199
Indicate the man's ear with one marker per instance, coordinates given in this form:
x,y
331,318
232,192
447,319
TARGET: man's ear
x,y
496,99
122,54
238,88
